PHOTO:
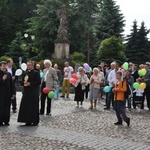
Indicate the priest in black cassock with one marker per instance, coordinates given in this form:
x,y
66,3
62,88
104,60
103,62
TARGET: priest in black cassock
x,y
6,93
29,107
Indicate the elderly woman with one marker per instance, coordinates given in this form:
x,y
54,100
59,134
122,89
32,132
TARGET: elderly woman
x,y
80,86
95,81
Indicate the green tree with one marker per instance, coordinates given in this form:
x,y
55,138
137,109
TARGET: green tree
x,y
112,49
16,49
13,14
110,20
82,27
137,50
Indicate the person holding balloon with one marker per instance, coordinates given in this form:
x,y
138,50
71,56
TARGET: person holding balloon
x,y
95,81
49,82
112,81
138,95
80,85
129,80
68,70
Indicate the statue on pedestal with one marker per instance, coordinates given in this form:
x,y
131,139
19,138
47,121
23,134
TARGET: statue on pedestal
x,y
62,44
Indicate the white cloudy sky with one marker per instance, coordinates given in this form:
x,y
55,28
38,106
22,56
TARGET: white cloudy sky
x,y
135,9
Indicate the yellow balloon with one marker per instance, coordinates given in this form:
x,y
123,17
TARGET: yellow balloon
x,y
142,86
143,72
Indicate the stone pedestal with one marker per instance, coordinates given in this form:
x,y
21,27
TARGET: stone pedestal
x,y
62,50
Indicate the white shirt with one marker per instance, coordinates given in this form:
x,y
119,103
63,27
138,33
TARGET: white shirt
x,y
68,72
112,77
9,70
45,77
138,92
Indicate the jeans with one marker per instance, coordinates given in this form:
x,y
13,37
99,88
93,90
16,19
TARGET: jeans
x,y
119,107
110,99
57,90
147,94
128,102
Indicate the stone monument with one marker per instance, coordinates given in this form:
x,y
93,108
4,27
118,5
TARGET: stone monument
x,y
62,44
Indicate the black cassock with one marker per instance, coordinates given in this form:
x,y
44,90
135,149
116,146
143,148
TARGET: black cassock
x,y
29,107
6,92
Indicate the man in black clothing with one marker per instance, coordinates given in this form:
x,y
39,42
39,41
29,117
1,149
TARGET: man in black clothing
x,y
6,93
12,71
29,107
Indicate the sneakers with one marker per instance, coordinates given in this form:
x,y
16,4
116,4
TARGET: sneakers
x,y
138,109
118,123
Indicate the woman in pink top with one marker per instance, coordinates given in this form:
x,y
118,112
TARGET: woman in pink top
x,y
95,81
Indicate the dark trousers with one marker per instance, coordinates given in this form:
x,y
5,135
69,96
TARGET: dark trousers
x,y
143,100
14,103
147,94
119,107
87,91
14,100
43,98
110,99
133,102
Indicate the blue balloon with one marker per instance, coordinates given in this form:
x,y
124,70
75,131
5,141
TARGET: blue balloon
x,y
107,89
41,74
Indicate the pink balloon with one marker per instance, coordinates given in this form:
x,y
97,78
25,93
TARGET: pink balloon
x,y
72,80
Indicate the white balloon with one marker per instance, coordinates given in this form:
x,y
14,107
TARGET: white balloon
x,y
18,72
24,66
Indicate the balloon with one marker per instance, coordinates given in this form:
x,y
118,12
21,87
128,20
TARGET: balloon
x,y
18,72
143,72
140,73
89,70
51,94
142,86
74,76
107,89
46,90
24,66
136,85
125,66
72,80
86,67
41,74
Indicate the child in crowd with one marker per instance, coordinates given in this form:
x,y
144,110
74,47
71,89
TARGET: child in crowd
x,y
138,97
119,98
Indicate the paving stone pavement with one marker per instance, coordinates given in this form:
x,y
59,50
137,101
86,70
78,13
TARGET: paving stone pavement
x,y
72,128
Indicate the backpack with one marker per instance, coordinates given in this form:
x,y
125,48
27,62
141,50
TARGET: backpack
x,y
128,91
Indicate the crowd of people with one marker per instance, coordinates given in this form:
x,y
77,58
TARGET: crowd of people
x,y
88,85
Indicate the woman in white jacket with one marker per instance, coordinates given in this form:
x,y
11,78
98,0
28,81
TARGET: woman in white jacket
x,y
80,85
